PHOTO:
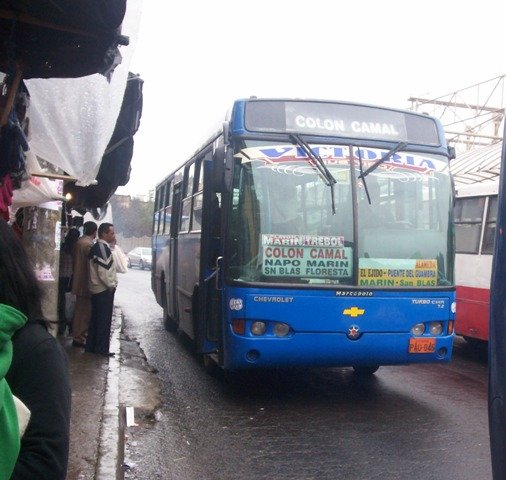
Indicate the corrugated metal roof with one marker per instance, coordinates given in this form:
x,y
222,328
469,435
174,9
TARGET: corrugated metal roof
x,y
477,165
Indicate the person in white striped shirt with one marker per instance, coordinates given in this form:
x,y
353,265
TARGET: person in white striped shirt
x,y
102,283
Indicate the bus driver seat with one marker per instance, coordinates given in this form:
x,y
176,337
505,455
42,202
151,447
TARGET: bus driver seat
x,y
284,210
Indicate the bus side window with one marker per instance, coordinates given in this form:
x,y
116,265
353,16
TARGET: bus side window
x,y
197,186
167,209
468,220
166,218
197,212
190,177
158,228
184,226
490,225
156,216
186,204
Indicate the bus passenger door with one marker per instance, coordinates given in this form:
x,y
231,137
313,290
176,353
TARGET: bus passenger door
x,y
174,232
209,334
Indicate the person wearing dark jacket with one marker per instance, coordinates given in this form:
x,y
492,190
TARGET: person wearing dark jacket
x,y
38,374
80,279
65,276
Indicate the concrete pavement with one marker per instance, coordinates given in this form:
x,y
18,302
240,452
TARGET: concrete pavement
x,y
102,389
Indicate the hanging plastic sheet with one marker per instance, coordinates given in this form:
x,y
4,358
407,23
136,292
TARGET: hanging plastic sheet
x,y
115,166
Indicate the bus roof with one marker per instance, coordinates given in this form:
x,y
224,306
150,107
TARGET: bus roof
x,y
477,165
477,189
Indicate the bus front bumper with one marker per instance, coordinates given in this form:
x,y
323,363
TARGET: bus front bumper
x,y
330,349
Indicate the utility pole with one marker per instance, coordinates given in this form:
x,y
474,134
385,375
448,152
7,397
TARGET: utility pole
x,y
41,239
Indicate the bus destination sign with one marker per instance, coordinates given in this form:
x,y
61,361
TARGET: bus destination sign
x,y
306,256
341,119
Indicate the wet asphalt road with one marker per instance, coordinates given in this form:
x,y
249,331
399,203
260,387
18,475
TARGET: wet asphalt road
x,y
411,422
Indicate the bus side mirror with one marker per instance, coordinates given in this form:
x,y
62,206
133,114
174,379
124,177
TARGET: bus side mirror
x,y
451,153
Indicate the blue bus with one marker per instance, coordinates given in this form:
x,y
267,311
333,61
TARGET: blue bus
x,y
310,233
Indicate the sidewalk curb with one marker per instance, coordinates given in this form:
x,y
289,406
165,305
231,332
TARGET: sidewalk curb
x,y
111,438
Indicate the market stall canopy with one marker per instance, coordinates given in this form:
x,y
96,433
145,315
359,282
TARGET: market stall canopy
x,y
61,38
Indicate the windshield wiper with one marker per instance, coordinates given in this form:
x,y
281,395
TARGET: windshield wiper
x,y
319,164
374,166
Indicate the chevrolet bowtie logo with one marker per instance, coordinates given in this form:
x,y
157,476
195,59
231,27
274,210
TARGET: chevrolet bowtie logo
x,y
353,311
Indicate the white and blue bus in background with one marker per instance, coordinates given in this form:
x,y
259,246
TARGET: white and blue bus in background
x,y
310,233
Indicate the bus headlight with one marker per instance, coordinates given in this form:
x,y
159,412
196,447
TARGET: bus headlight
x,y
258,328
418,329
436,328
281,329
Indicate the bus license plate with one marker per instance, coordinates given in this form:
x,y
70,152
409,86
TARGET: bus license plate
x,y
422,345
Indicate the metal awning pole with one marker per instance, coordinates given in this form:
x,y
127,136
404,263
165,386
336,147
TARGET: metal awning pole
x,y
58,176
12,89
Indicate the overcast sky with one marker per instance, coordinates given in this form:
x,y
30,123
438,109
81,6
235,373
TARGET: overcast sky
x,y
197,56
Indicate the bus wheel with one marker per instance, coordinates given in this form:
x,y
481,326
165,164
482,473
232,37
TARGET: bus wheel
x,y
474,342
169,323
366,370
210,366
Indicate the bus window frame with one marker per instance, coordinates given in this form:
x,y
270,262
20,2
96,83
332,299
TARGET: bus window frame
x,y
160,208
167,205
156,214
187,197
198,174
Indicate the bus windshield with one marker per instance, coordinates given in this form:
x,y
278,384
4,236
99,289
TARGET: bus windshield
x,y
390,227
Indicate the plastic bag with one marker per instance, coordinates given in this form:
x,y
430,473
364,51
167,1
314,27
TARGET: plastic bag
x,y
120,259
70,306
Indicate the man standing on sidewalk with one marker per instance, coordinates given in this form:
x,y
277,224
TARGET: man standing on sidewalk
x,y
80,281
103,283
